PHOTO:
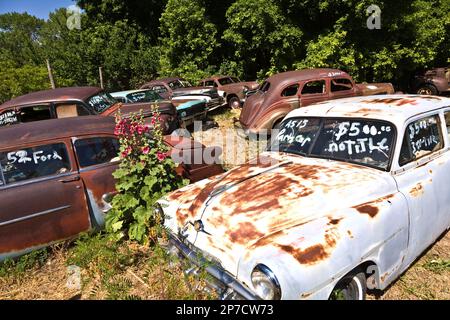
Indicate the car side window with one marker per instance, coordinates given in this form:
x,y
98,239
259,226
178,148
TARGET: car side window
x,y
68,110
35,162
422,137
341,84
290,91
95,151
8,117
314,87
210,83
35,113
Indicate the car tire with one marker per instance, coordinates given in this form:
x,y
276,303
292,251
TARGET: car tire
x,y
427,89
351,287
234,103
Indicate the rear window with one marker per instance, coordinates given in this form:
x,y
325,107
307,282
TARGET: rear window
x,y
95,151
36,162
101,102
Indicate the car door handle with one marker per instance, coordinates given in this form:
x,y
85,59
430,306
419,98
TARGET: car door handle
x,y
72,179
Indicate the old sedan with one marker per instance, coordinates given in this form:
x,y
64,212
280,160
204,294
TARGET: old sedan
x,y
286,91
56,178
350,193
79,101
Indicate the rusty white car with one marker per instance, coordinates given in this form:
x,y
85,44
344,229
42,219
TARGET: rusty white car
x,y
347,197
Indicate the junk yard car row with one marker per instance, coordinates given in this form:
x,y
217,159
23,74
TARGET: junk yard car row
x,y
349,193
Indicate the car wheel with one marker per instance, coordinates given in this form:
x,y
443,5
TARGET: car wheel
x,y
352,287
427,89
234,103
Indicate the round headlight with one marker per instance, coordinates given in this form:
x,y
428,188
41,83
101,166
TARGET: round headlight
x,y
159,214
265,283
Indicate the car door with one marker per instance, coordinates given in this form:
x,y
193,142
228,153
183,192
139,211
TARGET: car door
x,y
423,180
42,197
290,96
313,91
98,158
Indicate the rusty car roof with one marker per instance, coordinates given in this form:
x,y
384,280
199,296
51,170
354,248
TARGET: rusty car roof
x,y
52,95
32,132
304,74
391,108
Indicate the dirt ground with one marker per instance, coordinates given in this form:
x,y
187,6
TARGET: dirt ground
x,y
428,278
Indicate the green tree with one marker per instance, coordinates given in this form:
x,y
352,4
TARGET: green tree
x,y
263,41
19,35
188,40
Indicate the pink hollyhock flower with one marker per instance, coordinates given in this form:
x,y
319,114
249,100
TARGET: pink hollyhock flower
x,y
127,152
146,150
161,156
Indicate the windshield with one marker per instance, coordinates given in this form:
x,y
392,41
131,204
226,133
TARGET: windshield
x,y
101,102
144,96
177,84
366,142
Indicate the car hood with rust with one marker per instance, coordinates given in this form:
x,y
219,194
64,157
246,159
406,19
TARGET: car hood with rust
x,y
280,192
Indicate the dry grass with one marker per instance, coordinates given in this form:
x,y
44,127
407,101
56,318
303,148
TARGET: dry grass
x,y
144,274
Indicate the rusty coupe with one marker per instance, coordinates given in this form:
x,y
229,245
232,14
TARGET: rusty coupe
x,y
286,91
56,178
231,88
79,101
349,195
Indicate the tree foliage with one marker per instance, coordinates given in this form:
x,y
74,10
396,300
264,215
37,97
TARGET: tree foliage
x,y
136,41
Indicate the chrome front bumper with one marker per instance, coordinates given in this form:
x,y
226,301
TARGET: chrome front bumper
x,y
227,286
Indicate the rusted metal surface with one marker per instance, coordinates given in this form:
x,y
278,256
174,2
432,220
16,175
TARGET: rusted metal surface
x,y
54,95
433,81
263,110
311,220
38,212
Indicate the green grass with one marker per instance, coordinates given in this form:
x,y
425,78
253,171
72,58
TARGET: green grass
x,y
19,266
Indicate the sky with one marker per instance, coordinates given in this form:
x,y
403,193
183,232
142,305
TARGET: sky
x,y
38,8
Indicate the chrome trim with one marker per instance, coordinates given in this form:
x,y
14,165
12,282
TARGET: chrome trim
x,y
269,273
31,216
218,273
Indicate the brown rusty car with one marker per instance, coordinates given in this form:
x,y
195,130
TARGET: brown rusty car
x,y
432,82
56,178
79,101
284,92
231,88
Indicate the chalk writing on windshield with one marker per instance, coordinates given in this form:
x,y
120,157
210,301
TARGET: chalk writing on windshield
x,y
358,138
8,117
